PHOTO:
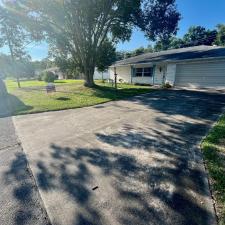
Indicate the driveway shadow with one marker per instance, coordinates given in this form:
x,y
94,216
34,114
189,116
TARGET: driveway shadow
x,y
193,104
138,205
28,209
148,174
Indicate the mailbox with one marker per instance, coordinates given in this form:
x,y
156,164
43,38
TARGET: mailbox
x,y
50,88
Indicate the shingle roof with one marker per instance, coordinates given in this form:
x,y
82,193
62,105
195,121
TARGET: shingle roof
x,y
197,52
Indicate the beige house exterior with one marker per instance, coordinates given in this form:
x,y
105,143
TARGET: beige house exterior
x,y
194,67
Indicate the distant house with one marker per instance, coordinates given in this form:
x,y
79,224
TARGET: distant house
x,y
101,76
61,75
200,66
57,72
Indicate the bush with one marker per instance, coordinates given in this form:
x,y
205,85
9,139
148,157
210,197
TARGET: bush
x,y
49,77
167,85
39,78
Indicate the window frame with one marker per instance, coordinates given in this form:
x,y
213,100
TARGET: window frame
x,y
142,71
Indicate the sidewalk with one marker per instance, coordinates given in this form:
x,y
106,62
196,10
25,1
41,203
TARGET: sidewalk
x,y
20,202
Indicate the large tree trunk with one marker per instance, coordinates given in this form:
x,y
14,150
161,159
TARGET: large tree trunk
x,y
89,77
18,82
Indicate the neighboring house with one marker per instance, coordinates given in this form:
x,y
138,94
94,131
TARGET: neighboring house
x,y
61,75
200,66
99,75
57,72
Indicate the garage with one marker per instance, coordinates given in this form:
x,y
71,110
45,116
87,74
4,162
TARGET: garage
x,y
203,75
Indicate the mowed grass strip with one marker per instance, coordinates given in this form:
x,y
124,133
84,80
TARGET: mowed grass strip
x,y
214,154
69,94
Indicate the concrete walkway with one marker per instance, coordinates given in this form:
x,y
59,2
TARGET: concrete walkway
x,y
20,202
133,162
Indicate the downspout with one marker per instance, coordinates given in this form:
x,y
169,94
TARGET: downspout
x,y
153,77
132,73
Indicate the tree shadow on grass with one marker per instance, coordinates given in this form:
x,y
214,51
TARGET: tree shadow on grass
x,y
15,105
10,105
63,99
113,94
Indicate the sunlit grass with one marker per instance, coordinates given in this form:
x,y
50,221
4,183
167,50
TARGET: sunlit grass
x,y
12,84
214,153
70,94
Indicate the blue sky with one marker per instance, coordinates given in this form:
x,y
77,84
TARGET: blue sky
x,y
206,13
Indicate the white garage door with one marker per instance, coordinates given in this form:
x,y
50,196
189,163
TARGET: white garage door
x,y
201,75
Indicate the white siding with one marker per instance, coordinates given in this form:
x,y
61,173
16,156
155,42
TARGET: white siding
x,y
205,74
142,80
123,72
171,73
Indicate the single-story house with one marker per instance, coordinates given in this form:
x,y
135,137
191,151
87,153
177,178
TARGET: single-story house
x,y
200,66
57,72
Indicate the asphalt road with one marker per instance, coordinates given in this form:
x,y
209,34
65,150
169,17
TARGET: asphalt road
x,y
20,202
131,162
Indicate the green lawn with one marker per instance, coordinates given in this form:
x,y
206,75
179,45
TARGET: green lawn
x,y
12,85
214,153
32,97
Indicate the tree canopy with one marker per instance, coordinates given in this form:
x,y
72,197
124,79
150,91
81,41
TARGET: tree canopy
x,y
106,55
78,28
15,38
220,39
24,67
196,35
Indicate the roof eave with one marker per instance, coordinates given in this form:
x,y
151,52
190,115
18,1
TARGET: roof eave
x,y
168,61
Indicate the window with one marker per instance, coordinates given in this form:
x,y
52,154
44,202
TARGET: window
x,y
147,72
139,72
144,72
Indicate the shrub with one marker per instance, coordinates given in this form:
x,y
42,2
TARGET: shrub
x,y
39,78
56,77
48,77
167,85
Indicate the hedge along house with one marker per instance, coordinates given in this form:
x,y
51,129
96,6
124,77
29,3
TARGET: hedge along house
x,y
193,67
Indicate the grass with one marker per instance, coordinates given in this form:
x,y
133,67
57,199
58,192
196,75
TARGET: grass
x,y
214,154
70,94
12,85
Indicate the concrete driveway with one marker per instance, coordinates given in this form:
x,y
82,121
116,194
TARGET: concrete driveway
x,y
20,202
128,162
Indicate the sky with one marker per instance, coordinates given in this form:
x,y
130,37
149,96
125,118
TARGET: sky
x,y
207,13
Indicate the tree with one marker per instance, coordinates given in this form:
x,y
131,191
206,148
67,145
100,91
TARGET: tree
x,y
120,55
176,43
198,35
14,36
195,36
67,66
24,67
79,27
220,39
5,65
106,55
